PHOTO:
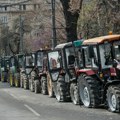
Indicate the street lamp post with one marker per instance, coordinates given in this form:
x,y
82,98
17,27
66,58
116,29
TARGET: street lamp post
x,y
54,41
21,34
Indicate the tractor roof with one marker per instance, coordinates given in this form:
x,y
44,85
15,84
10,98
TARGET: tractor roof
x,y
101,39
60,46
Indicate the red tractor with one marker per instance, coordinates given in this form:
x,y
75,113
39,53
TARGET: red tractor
x,y
39,73
62,78
99,72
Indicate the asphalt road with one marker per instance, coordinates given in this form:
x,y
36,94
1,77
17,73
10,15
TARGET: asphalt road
x,y
20,104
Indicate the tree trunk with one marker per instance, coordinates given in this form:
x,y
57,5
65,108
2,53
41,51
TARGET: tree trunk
x,y
71,18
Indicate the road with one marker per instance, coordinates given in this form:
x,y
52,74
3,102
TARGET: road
x,y
20,104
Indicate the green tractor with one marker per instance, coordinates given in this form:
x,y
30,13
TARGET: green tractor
x,y
16,63
99,72
62,73
12,71
5,69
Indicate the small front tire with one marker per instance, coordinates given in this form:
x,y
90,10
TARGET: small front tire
x,y
113,98
37,86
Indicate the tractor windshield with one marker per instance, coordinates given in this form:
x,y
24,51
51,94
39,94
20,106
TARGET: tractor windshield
x,y
21,60
117,50
12,62
106,55
30,60
54,60
70,55
90,56
39,59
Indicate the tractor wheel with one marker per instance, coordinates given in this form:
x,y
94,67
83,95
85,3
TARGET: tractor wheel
x,y
60,92
74,93
12,82
44,86
32,82
17,80
89,91
5,77
31,85
50,86
113,98
37,86
26,83
21,80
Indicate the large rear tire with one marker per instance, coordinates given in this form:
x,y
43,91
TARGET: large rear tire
x,y
113,98
17,80
89,91
31,85
11,80
60,92
26,83
74,93
21,80
44,89
37,86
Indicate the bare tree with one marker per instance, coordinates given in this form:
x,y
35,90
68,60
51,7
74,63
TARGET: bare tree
x,y
71,10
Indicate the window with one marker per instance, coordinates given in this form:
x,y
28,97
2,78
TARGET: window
x,y
24,7
116,46
105,55
54,60
5,8
86,55
70,55
35,6
20,7
95,59
30,60
40,59
21,61
80,58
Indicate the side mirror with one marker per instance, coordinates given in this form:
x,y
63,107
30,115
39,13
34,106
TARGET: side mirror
x,y
91,52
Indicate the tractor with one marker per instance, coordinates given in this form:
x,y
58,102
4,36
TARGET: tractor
x,y
38,81
5,69
62,73
99,72
28,67
16,63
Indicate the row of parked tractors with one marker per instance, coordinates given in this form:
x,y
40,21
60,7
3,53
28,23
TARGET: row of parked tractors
x,y
87,72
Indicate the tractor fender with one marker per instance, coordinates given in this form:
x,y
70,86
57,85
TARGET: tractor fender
x,y
114,82
86,71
